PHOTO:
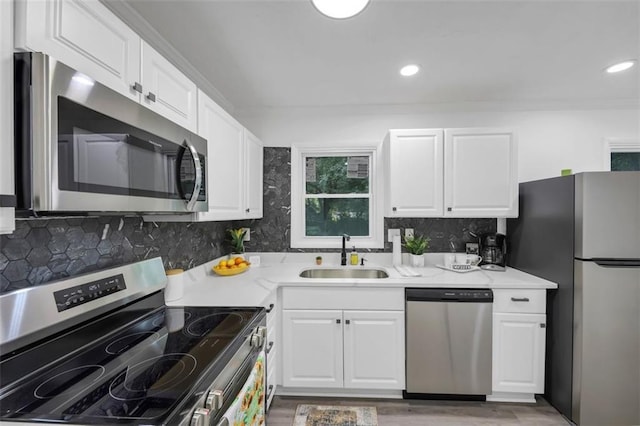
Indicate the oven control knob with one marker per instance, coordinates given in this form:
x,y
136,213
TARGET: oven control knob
x,y
201,417
214,400
261,330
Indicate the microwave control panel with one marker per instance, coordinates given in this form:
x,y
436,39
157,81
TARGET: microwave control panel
x,y
81,294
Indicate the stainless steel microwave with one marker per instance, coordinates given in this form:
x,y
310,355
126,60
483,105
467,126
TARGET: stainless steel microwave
x,y
82,147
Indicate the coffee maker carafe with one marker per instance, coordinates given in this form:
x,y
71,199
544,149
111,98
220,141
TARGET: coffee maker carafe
x,y
493,249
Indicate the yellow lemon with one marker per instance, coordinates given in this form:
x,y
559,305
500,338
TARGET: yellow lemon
x,y
222,263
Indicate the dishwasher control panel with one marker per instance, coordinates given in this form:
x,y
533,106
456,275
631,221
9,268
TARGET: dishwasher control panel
x,y
449,295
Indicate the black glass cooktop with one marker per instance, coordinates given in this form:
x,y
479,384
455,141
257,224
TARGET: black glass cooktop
x,y
140,364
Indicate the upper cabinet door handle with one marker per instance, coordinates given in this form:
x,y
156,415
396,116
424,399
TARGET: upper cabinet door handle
x,y
517,299
151,97
137,87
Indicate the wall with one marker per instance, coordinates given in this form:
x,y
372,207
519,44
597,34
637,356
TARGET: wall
x,y
42,250
548,140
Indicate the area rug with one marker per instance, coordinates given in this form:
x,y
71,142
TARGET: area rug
x,y
335,415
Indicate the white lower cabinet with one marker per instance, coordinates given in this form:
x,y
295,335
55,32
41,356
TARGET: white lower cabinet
x,y
272,345
312,349
519,329
343,349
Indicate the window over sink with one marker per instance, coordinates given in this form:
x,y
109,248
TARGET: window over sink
x,y
336,190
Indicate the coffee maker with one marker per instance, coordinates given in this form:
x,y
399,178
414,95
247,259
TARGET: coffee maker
x,y
493,249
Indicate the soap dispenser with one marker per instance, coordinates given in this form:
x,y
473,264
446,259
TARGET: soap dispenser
x,y
354,256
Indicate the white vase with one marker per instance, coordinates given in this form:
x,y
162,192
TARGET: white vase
x,y
417,260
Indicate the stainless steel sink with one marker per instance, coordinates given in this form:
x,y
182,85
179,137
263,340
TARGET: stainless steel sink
x,y
348,273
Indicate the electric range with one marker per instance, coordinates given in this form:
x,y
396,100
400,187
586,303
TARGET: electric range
x,y
104,349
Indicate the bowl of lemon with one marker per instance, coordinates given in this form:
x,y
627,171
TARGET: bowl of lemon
x,y
232,266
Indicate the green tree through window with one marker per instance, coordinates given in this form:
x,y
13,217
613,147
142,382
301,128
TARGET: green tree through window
x,y
337,196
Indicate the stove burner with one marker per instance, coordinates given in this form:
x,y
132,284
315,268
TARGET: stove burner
x,y
60,383
222,323
152,377
125,342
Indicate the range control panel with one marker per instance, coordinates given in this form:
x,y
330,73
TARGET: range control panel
x,y
80,294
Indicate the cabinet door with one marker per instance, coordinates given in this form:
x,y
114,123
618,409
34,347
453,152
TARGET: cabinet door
x,y
480,173
415,179
7,222
518,352
86,36
225,157
253,174
374,349
312,349
166,90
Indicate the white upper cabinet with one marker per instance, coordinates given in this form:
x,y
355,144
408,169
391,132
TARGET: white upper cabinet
x,y
481,174
253,175
168,91
85,35
7,211
225,157
414,173
451,173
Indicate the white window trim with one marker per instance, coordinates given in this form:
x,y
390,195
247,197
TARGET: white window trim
x,y
618,145
376,219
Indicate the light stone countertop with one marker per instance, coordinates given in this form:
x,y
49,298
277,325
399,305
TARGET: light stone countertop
x,y
202,287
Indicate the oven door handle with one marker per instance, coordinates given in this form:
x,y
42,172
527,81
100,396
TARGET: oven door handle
x,y
191,204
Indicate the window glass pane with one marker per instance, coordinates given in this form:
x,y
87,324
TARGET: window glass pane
x,y
337,175
336,216
625,161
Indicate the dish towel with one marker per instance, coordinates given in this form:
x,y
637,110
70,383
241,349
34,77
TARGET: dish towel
x,y
406,271
248,407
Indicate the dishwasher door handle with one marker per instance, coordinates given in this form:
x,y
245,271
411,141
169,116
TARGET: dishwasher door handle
x,y
519,299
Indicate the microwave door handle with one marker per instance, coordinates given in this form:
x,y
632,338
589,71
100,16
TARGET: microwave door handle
x,y
196,188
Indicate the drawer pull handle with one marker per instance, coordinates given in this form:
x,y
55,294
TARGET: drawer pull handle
x,y
519,299
269,348
347,322
270,308
338,321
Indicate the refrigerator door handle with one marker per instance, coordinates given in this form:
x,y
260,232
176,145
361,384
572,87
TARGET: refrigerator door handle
x,y
628,263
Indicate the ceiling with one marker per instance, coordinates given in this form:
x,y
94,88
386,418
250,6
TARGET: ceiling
x,y
268,53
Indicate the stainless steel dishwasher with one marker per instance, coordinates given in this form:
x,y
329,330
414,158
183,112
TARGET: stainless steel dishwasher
x,y
448,343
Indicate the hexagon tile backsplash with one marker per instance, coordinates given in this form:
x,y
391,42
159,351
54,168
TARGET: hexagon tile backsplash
x,y
42,250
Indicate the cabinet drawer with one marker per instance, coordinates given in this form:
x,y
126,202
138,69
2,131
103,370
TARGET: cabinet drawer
x,y
519,301
343,298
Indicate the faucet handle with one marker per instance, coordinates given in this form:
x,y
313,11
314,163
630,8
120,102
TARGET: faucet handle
x,y
362,259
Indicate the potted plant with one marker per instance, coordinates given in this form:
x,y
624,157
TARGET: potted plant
x,y
237,240
416,245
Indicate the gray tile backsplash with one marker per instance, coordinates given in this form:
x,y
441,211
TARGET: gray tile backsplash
x,y
46,249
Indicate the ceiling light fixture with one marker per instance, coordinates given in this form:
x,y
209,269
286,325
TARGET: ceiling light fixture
x,y
622,66
409,70
340,9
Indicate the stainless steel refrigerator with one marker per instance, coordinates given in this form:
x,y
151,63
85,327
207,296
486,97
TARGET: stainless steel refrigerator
x,y
583,232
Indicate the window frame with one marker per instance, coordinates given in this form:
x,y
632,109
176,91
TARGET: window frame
x,y
612,145
299,153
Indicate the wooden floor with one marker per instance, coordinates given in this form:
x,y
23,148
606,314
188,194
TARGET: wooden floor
x,y
399,412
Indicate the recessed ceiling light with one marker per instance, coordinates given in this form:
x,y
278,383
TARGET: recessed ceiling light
x,y
621,66
409,70
340,9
